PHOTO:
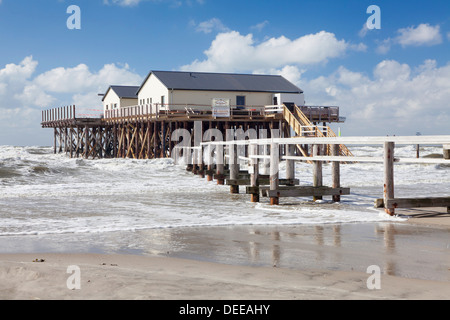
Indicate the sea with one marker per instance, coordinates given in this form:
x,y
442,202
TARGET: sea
x,y
51,202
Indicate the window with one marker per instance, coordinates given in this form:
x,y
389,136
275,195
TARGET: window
x,y
240,100
162,100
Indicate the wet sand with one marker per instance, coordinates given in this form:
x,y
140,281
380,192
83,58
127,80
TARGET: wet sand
x,y
251,262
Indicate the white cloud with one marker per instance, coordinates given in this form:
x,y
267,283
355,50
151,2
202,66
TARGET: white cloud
x,y
384,46
232,52
23,94
124,3
363,32
258,27
448,36
211,25
395,99
422,35
33,95
291,73
133,3
13,73
80,78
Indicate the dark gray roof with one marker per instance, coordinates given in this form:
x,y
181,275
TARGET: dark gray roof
x,y
178,80
127,92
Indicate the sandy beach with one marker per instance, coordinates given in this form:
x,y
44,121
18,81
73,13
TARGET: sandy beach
x,y
138,277
333,266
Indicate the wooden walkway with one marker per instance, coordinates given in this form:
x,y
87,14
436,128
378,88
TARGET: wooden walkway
x,y
275,191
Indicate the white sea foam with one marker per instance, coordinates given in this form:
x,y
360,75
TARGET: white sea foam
x,y
44,193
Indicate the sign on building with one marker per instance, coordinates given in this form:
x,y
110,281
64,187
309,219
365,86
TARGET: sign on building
x,y
221,108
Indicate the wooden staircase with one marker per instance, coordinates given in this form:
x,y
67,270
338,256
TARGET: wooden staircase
x,y
303,127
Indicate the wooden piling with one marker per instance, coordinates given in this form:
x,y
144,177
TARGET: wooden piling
x,y
388,193
220,165
254,168
446,148
274,168
335,171
317,171
234,168
290,164
54,140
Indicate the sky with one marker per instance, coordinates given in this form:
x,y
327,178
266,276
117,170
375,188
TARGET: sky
x,y
388,70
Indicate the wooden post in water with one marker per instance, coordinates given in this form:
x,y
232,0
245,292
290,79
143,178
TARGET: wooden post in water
x,y
264,150
274,168
86,142
54,140
335,171
234,168
253,170
388,177
210,164
266,163
290,164
317,170
220,164
446,148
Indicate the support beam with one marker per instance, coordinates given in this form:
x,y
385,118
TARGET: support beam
x,y
446,151
335,172
220,165
234,168
254,168
290,164
431,202
388,191
306,191
274,168
317,170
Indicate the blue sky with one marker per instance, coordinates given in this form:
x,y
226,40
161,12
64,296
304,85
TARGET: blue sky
x,y
395,80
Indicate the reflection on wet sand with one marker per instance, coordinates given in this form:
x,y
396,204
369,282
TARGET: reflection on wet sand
x,y
393,247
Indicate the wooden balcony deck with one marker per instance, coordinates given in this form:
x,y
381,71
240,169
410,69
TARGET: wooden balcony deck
x,y
66,116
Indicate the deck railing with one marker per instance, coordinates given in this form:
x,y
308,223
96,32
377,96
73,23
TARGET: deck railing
x,y
191,110
156,110
58,114
321,113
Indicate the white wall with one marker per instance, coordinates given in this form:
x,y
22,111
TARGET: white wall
x,y
152,90
297,98
112,101
126,102
205,97
109,100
